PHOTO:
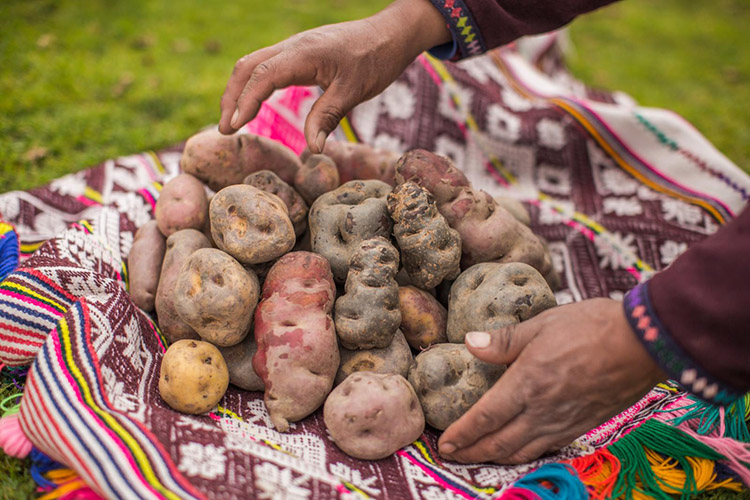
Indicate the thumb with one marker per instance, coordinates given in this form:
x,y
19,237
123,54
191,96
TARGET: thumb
x,y
325,115
501,346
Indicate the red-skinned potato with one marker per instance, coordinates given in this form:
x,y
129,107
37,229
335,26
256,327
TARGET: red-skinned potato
x,y
317,175
423,318
371,416
251,225
216,296
179,247
297,355
182,204
144,265
223,160
193,376
267,181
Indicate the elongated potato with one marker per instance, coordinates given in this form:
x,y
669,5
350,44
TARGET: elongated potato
x,y
179,247
182,204
423,318
371,416
144,265
223,160
297,355
216,296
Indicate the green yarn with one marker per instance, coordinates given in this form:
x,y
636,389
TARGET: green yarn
x,y
665,440
8,409
708,415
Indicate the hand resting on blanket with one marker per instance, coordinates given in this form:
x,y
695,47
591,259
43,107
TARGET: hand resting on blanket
x,y
571,368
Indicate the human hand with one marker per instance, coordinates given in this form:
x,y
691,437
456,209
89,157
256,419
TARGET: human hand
x,y
571,368
352,62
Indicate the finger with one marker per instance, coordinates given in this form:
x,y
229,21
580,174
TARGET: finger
x,y
326,113
495,409
530,451
504,345
268,76
241,73
499,445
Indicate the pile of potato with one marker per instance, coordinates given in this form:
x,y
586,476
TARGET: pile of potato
x,y
266,272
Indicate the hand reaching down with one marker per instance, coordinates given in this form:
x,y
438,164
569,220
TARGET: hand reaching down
x,y
571,368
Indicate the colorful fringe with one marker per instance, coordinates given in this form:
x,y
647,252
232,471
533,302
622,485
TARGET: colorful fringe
x,y
9,249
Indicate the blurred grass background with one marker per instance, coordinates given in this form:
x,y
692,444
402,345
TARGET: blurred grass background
x,y
82,81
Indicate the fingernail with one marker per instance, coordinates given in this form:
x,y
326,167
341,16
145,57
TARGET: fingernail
x,y
320,141
447,448
235,119
480,340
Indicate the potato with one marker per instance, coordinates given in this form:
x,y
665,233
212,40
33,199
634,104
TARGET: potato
x,y
216,296
144,265
448,380
179,247
370,415
182,204
488,232
361,162
267,181
222,160
340,220
490,295
239,360
250,225
367,315
430,249
395,358
317,176
297,354
193,376
423,318
514,208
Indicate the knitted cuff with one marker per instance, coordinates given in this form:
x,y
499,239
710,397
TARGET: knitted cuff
x,y
466,37
668,354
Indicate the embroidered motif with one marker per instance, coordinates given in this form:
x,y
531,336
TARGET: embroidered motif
x,y
462,25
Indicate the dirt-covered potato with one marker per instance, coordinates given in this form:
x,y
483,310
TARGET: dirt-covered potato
x,y
396,359
371,416
216,296
223,160
340,220
317,175
182,204
362,162
193,376
239,360
368,315
490,295
297,354
250,225
430,249
488,232
267,181
515,208
144,265
423,318
179,247
448,380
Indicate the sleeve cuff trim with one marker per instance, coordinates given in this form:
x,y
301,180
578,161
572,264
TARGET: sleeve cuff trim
x,y
462,25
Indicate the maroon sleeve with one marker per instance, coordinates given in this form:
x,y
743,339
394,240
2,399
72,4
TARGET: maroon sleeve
x,y
694,317
480,25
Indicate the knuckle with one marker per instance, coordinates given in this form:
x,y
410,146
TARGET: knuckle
x,y
331,116
261,71
240,64
520,457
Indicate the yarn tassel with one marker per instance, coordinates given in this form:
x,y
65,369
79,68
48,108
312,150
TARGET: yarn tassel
x,y
554,481
10,251
515,493
598,472
58,482
13,441
707,419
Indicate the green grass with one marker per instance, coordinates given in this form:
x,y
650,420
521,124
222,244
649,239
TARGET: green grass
x,y
83,80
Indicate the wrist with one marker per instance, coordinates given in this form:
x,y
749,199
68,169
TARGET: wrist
x,y
419,23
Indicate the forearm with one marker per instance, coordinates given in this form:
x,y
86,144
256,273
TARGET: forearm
x,y
480,25
694,317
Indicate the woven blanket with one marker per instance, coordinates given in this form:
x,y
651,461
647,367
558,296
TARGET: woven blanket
x,y
618,191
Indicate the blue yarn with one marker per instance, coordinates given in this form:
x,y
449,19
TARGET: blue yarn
x,y
565,481
9,253
40,465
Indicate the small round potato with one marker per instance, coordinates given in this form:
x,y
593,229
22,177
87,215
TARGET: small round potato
x,y
193,376
423,318
216,296
448,380
267,181
396,358
182,204
371,415
317,176
250,225
239,359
